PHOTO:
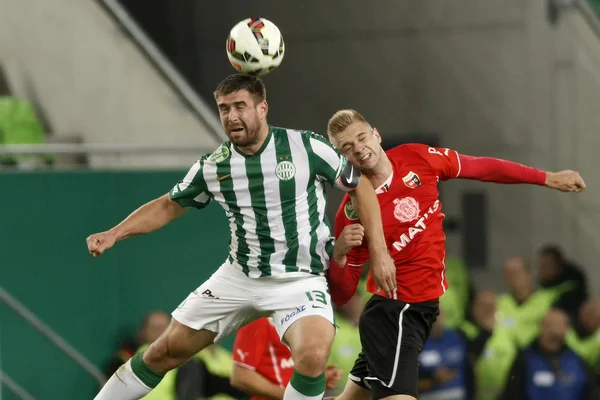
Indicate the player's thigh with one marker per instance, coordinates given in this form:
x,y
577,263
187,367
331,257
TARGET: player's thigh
x,y
393,334
360,372
291,301
221,305
310,339
352,391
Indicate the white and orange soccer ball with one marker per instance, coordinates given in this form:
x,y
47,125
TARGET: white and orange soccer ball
x,y
255,46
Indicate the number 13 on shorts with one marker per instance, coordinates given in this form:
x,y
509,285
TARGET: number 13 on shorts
x,y
302,299
316,297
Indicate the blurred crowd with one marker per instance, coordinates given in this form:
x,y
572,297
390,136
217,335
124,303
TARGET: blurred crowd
x,y
537,340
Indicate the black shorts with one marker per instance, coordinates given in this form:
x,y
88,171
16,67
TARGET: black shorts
x,y
392,334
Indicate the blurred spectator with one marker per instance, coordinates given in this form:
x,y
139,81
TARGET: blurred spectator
x,y
555,272
263,365
521,310
19,124
456,299
443,364
548,370
151,327
346,345
490,348
584,339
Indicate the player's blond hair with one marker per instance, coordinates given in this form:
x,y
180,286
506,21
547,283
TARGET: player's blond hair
x,y
342,120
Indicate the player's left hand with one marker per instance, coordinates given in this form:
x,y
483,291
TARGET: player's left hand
x,y
332,376
383,271
565,181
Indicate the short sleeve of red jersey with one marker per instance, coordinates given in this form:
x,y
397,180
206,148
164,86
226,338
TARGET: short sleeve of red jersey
x,y
250,343
444,162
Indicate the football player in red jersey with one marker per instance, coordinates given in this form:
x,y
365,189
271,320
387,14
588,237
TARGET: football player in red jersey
x,y
394,330
263,365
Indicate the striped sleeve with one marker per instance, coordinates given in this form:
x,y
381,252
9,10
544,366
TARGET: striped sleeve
x,y
192,190
331,166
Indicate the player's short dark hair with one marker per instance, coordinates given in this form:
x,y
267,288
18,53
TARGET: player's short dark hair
x,y
234,83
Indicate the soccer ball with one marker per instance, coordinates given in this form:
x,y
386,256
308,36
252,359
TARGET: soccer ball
x,y
255,46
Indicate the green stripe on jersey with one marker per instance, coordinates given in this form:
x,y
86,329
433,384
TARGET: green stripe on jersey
x,y
226,188
287,195
316,264
259,206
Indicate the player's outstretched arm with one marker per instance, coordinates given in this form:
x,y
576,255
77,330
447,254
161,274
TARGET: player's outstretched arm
x,y
148,218
496,170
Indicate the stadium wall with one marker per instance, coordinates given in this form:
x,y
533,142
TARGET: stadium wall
x,y
90,301
89,80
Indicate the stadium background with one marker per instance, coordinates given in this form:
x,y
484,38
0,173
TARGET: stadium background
x,y
515,79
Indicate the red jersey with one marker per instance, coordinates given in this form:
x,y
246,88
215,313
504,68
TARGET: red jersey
x,y
412,218
258,347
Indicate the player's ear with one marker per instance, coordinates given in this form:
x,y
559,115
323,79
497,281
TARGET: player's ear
x,y
377,135
263,109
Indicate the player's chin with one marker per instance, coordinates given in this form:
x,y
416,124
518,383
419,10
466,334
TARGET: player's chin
x,y
240,139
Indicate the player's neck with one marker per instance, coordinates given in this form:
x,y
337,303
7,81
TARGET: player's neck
x,y
254,148
381,172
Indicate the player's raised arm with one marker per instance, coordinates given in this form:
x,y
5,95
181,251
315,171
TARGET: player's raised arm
x,y
191,191
450,164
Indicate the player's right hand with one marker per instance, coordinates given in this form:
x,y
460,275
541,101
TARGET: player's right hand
x,y
351,236
98,243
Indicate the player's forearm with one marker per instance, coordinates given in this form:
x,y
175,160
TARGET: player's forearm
x,y
339,255
148,218
369,213
254,384
343,282
499,171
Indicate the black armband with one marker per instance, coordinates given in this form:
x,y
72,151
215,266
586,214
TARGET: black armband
x,y
349,177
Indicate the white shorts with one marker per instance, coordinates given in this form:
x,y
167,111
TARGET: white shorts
x,y
229,299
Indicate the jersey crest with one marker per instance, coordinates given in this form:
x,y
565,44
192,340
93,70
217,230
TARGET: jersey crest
x,y
221,154
285,170
412,180
406,209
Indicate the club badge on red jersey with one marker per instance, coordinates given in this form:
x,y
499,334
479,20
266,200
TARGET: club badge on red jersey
x,y
412,180
406,209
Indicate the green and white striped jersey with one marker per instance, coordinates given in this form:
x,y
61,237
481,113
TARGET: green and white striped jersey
x,y
274,200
